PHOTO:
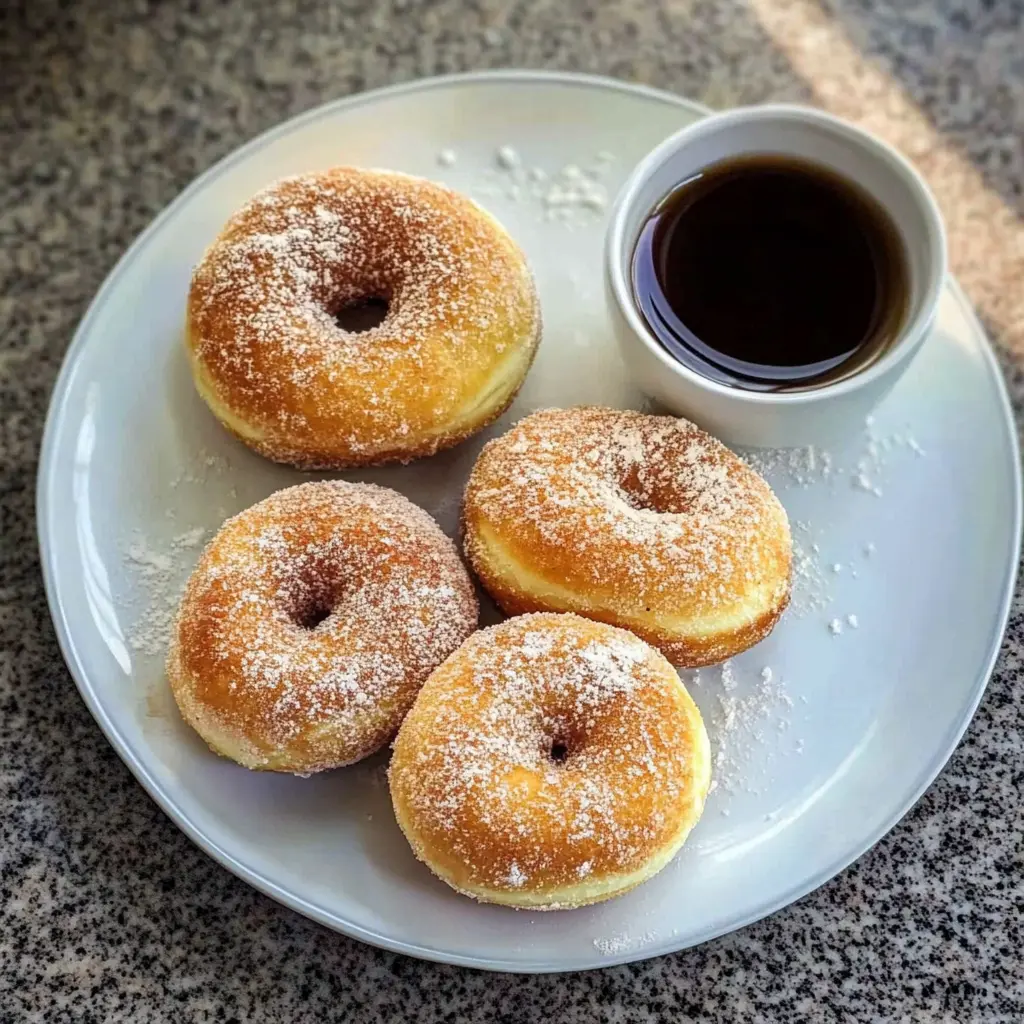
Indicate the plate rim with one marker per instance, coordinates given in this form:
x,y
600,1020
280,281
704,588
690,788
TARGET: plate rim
x,y
44,511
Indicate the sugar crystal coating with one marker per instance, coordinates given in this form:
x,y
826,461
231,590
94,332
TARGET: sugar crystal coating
x,y
311,621
548,751
275,365
644,521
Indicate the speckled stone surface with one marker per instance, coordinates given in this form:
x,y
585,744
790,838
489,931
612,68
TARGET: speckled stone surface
x,y
107,912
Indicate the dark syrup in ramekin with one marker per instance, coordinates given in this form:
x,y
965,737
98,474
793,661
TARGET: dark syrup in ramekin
x,y
772,274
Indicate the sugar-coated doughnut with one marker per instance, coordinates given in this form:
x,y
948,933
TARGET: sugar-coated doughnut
x,y
310,623
645,522
271,361
551,762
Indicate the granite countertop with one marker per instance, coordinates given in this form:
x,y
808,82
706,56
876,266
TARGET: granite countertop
x,y
107,912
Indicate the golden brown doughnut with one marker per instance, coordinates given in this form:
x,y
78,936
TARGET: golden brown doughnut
x,y
642,521
551,762
310,623
273,364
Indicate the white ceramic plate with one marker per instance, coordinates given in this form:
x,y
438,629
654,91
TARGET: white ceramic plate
x,y
813,766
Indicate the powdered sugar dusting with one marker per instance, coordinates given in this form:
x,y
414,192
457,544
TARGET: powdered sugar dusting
x,y
623,942
265,296
649,510
325,606
574,194
548,749
811,584
740,712
159,568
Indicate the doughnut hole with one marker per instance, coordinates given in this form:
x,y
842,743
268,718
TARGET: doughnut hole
x,y
361,315
311,617
561,741
312,596
643,490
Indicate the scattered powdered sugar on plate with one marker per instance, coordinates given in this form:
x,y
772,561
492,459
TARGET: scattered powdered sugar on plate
x,y
864,468
574,195
507,158
160,569
201,469
796,467
810,581
159,565
739,714
623,942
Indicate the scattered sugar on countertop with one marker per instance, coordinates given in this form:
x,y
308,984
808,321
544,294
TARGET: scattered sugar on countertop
x,y
835,627
852,621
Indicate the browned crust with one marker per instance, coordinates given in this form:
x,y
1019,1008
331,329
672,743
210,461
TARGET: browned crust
x,y
684,651
324,459
271,694
289,384
618,600
473,798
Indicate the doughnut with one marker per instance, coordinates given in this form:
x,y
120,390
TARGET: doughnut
x,y
271,360
311,621
551,762
644,522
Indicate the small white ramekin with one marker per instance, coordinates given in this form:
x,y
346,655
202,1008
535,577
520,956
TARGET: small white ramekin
x,y
783,418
